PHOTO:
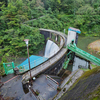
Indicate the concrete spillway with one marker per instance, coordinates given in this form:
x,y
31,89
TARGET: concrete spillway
x,y
50,49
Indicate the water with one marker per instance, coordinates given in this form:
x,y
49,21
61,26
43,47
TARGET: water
x,y
34,61
19,61
83,42
51,49
79,63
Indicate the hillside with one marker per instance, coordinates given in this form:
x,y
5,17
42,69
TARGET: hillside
x,y
87,87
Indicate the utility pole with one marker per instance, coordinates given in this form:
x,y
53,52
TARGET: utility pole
x,y
26,41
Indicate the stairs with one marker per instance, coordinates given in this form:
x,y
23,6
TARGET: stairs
x,y
83,54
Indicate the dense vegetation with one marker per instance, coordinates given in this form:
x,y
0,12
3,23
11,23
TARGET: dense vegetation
x,y
57,15
13,31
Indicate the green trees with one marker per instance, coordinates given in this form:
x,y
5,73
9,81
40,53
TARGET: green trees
x,y
13,32
86,10
62,14
47,22
58,15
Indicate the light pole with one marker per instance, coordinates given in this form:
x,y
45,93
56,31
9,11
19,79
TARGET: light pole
x,y
26,41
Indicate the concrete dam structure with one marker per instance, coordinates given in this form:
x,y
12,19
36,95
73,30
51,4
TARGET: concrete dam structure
x,y
56,58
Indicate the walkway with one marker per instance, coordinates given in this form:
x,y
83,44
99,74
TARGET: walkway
x,y
84,54
34,19
52,60
13,89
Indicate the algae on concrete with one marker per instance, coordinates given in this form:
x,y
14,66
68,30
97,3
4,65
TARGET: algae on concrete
x,y
87,87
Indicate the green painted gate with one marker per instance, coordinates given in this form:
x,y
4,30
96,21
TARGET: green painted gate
x,y
9,67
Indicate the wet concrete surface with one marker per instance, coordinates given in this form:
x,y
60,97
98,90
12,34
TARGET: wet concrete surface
x,y
83,89
28,96
68,82
5,78
13,88
57,78
46,87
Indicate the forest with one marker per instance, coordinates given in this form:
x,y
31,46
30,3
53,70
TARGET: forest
x,y
57,15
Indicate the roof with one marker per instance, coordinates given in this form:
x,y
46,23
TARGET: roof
x,y
74,29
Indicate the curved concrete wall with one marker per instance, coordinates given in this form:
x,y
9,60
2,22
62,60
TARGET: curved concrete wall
x,y
52,60
47,33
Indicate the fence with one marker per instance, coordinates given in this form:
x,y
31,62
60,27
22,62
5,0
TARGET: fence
x,y
9,67
33,64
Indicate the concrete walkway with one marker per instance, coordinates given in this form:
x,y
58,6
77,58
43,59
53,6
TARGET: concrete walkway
x,y
46,87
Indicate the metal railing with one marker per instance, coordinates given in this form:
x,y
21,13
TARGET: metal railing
x,y
84,54
32,64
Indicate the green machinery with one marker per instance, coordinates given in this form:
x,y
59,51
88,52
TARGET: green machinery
x,y
83,54
67,60
9,67
66,63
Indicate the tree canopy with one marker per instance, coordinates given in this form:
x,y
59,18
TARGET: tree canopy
x,y
57,15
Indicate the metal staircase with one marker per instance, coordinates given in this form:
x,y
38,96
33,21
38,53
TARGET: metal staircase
x,y
66,63
83,54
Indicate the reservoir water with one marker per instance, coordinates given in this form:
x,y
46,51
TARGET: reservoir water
x,y
83,43
79,63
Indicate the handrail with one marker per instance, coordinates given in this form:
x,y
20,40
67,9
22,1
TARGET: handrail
x,y
32,64
84,54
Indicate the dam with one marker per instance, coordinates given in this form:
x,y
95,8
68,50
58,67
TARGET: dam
x,y
53,64
54,56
